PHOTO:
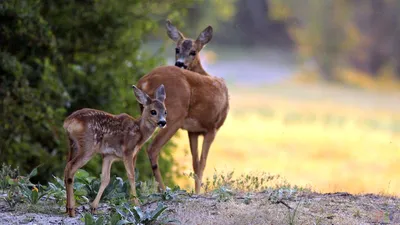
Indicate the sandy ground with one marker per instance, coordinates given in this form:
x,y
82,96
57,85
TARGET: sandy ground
x,y
311,208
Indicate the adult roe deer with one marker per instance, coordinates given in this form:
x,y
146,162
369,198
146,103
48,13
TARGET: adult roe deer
x,y
120,136
198,103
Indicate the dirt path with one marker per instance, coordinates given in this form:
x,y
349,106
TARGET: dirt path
x,y
311,208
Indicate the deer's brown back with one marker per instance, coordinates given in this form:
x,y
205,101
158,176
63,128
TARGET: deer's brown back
x,y
201,100
98,127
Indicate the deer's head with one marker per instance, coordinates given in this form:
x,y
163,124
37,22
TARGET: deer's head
x,y
154,110
186,51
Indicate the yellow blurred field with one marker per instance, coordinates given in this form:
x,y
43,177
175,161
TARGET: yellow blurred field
x,y
324,137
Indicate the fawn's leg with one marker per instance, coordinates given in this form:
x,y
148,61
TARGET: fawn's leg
x,y
155,147
193,140
71,153
105,180
208,140
72,166
130,162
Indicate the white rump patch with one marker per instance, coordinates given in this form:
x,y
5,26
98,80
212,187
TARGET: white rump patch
x,y
144,85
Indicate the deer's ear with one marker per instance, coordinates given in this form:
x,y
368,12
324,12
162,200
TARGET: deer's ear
x,y
173,32
205,36
141,97
160,93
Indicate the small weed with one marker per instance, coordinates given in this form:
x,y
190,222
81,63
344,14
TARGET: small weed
x,y
357,214
6,173
247,199
292,214
245,183
223,194
168,195
282,194
13,197
21,188
147,188
318,220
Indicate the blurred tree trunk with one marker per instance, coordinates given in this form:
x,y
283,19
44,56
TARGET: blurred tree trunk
x,y
256,25
377,22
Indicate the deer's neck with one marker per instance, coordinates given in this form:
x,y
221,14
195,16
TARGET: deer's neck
x,y
146,128
197,67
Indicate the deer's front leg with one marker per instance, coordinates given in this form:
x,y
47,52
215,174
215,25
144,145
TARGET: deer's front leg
x,y
130,162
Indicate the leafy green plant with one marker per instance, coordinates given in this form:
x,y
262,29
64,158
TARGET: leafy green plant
x,y
30,192
34,194
86,188
89,219
57,190
117,191
135,215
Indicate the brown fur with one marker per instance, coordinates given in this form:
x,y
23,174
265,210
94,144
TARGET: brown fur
x,y
198,104
115,137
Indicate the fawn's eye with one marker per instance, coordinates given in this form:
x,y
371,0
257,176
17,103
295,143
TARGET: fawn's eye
x,y
177,50
153,112
165,112
193,53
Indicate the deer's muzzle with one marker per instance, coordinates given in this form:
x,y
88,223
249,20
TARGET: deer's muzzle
x,y
162,123
180,65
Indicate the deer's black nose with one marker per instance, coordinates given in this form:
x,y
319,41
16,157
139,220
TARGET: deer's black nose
x,y
162,123
179,64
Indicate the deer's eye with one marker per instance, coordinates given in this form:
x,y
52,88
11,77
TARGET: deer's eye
x,y
153,112
165,112
193,53
177,50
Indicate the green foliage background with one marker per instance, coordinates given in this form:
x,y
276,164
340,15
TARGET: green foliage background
x,y
60,56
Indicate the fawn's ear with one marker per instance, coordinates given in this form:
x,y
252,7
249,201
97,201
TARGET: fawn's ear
x,y
173,32
160,93
205,36
141,97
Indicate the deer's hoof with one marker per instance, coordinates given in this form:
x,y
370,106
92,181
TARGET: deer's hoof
x,y
71,212
135,201
93,210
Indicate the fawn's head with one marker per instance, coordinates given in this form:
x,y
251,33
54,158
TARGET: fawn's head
x,y
186,51
154,110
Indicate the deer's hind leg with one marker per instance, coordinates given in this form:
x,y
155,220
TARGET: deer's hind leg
x,y
81,156
72,151
193,140
208,140
105,179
